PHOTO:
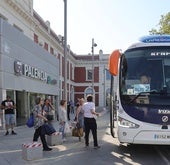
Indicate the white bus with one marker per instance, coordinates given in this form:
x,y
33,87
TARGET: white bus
x,y
140,107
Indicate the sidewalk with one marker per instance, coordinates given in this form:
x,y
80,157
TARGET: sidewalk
x,y
10,146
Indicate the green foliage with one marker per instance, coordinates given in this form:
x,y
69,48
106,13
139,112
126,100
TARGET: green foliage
x,y
164,25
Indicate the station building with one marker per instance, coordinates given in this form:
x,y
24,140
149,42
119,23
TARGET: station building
x,y
32,62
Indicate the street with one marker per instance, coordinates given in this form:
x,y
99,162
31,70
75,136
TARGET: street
x,y
73,152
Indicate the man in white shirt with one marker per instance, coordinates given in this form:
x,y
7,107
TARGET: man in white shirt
x,y
90,121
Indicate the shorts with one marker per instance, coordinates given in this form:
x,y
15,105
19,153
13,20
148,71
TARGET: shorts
x,y
10,119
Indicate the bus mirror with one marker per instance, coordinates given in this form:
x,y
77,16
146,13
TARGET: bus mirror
x,y
113,62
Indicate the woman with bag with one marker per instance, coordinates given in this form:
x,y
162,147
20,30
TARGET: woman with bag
x,y
62,118
49,110
39,120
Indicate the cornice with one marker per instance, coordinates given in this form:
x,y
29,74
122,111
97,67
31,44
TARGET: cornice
x,y
46,35
27,16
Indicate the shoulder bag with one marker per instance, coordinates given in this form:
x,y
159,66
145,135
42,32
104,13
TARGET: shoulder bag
x,y
30,121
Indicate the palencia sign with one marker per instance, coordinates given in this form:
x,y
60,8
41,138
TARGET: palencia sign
x,y
32,72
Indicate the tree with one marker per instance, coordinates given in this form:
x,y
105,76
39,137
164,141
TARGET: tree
x,y
164,25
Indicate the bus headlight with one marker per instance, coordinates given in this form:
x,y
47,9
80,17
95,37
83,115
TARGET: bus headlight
x,y
125,123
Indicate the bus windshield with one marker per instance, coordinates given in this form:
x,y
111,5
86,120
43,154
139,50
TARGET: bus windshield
x,y
145,76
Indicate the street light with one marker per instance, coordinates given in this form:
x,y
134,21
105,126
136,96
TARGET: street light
x,y
65,49
104,86
92,51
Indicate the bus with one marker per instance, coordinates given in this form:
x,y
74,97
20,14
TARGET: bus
x,y
140,110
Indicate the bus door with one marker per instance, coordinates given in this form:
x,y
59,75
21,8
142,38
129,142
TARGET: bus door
x,y
112,108
114,104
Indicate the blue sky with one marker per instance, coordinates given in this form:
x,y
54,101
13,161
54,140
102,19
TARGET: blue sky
x,y
114,24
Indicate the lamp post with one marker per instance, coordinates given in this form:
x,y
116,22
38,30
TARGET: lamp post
x,y
92,51
104,86
65,49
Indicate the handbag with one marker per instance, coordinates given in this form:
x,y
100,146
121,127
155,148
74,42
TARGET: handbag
x,y
50,117
77,132
30,121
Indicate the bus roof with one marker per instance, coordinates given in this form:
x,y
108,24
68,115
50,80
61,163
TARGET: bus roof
x,y
152,40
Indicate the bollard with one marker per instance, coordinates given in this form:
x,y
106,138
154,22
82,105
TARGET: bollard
x,y
32,151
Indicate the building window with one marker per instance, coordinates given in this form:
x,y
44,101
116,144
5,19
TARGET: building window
x,y
51,50
46,46
35,38
89,75
72,73
89,91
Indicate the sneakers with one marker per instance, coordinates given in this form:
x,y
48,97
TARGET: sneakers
x,y
47,149
96,147
13,133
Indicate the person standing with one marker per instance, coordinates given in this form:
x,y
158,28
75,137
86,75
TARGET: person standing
x,y
39,120
62,118
68,110
72,106
80,114
90,122
49,110
9,106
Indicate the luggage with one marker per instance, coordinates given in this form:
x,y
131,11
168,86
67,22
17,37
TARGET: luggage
x,y
77,132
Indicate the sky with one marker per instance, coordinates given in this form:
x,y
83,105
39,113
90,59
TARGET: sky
x,y
113,24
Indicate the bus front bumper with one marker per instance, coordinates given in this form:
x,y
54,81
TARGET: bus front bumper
x,y
144,137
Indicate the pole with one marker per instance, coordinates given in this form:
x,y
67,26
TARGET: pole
x,y
104,87
65,49
92,51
